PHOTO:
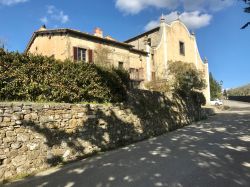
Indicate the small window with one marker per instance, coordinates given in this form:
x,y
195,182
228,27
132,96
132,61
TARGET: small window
x,y
182,48
120,65
80,54
134,74
149,42
141,74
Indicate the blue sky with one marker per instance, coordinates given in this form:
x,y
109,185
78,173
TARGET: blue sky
x,y
216,24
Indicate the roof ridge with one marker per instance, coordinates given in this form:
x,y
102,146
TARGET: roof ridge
x,y
142,34
72,31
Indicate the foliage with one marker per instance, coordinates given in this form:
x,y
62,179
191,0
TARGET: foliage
x,y
241,91
185,77
184,80
159,86
38,78
247,10
215,87
2,43
123,75
198,97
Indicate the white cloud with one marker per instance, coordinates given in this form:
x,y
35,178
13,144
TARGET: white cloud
x,y
193,20
44,20
136,6
203,5
61,17
51,9
54,15
11,2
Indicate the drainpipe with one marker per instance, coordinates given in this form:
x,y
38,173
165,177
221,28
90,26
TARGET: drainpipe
x,y
165,47
148,61
208,81
195,50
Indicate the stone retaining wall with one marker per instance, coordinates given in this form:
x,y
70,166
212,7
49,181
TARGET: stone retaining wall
x,y
37,136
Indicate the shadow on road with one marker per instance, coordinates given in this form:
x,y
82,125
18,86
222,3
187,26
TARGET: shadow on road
x,y
214,152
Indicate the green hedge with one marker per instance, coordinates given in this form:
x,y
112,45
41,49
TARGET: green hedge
x,y
37,78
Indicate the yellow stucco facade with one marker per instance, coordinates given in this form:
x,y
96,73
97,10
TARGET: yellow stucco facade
x,y
60,44
164,45
146,56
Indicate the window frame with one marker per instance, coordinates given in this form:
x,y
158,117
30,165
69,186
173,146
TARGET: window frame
x,y
83,54
182,48
121,65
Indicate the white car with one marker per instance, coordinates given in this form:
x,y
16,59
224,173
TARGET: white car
x,y
216,102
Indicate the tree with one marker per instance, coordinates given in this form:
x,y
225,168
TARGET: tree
x,y
185,77
241,91
215,87
225,94
2,43
247,10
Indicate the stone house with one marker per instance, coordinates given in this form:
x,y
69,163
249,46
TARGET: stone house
x,y
145,56
83,47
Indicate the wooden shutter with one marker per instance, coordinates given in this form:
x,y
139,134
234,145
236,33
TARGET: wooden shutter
x,y
90,56
153,76
75,53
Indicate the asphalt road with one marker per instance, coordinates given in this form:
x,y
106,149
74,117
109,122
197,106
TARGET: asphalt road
x,y
212,153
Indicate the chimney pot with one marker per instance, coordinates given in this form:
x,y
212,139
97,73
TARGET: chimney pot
x,y
98,32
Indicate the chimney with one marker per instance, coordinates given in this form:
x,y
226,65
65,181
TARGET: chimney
x,y
43,28
98,32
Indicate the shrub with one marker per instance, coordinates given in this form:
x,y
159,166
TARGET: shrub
x,y
159,86
37,78
185,77
124,76
198,98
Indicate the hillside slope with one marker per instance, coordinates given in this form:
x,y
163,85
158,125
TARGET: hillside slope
x,y
241,91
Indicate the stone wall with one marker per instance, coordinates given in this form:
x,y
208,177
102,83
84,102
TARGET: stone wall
x,y
37,136
240,98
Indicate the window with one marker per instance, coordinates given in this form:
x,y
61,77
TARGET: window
x,y
141,74
182,48
120,65
133,74
136,74
80,54
149,42
153,76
